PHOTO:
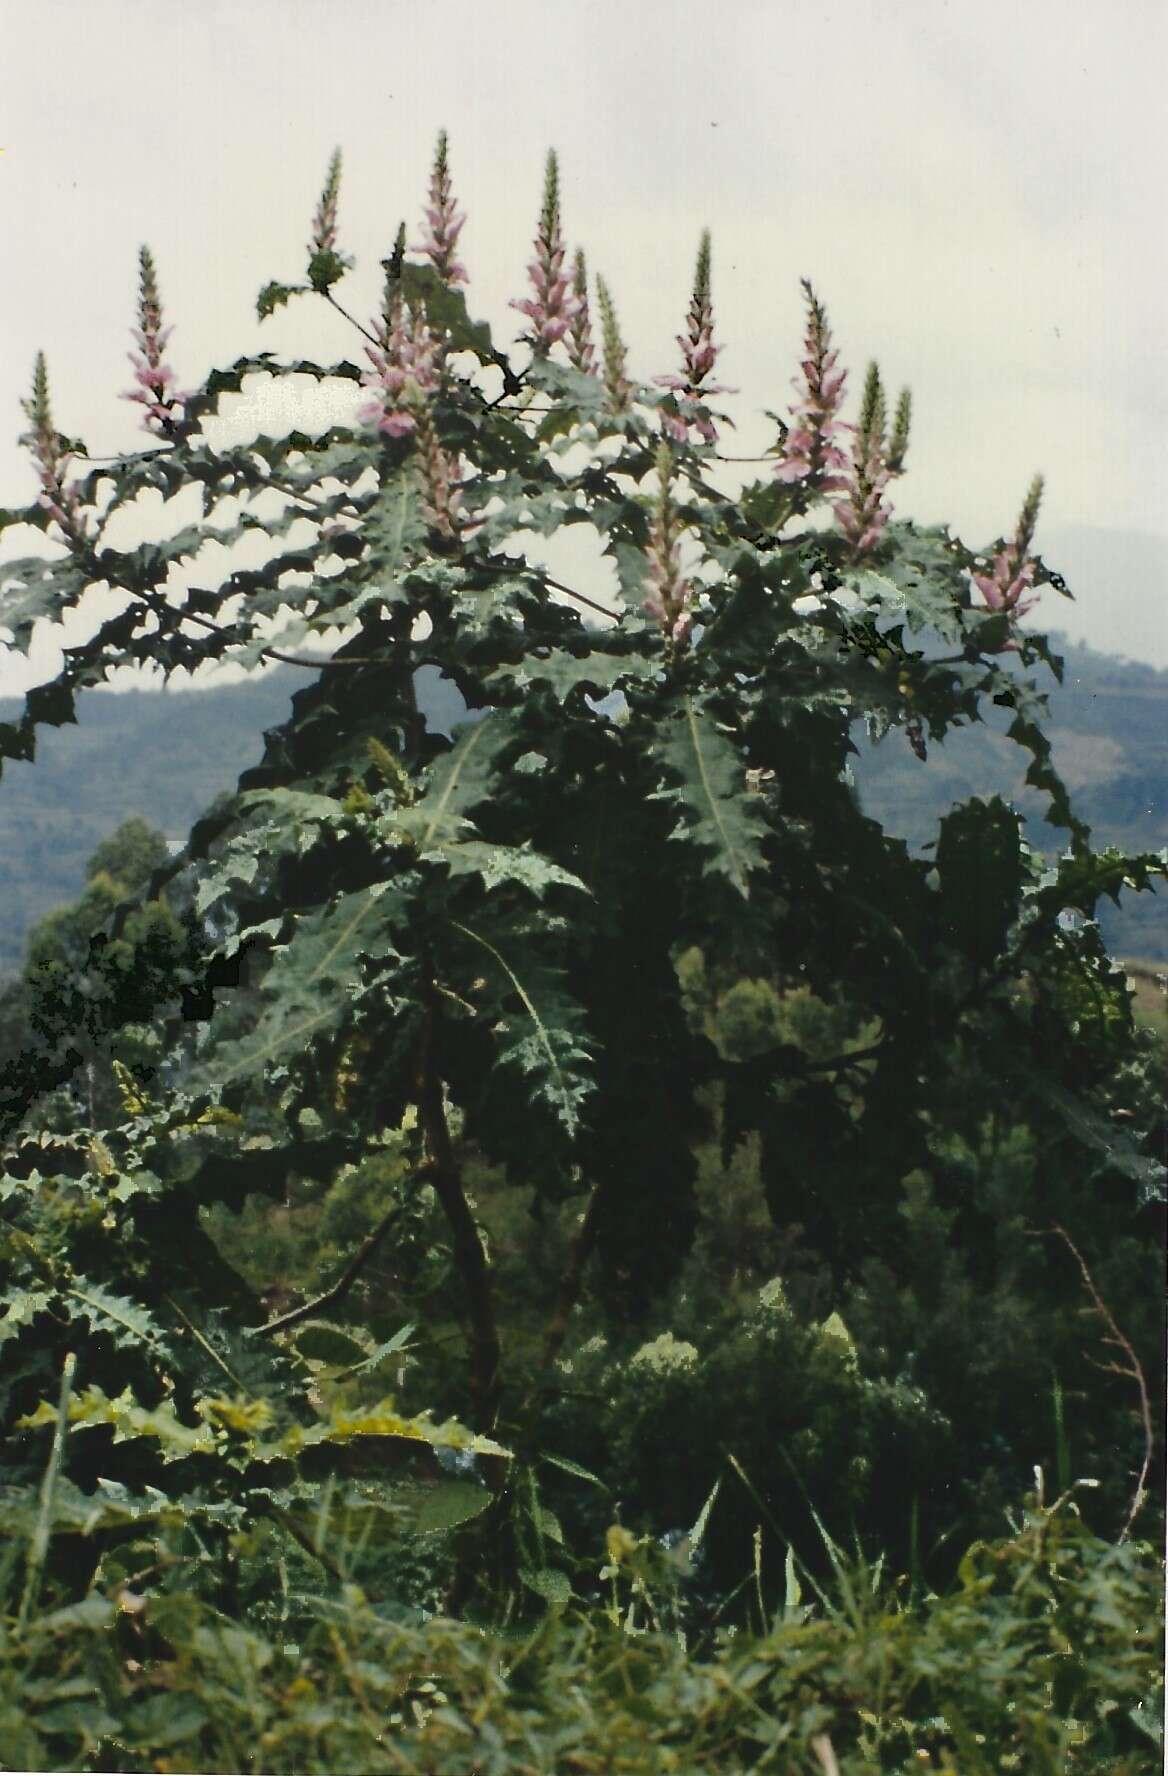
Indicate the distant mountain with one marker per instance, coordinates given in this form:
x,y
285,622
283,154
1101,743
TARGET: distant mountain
x,y
1108,727
166,754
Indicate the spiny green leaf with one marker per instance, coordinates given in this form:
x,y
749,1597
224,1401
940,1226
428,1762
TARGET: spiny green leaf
x,y
313,980
34,591
496,865
542,1035
568,672
1112,1146
457,782
716,816
126,1320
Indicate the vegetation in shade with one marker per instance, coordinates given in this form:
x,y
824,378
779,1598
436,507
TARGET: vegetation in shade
x,y
582,1130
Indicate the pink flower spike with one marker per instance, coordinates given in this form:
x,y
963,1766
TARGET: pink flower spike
x,y
553,309
698,355
1013,572
165,411
444,221
51,457
808,457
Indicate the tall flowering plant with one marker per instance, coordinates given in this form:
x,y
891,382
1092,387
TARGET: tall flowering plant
x,y
538,942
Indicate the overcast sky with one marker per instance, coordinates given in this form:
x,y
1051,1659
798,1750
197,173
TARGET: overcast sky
x,y
975,188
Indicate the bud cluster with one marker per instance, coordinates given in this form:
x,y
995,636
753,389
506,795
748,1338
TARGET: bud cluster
x,y
52,457
616,382
581,350
324,223
864,514
440,474
672,595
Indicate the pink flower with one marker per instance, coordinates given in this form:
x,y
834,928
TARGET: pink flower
x,y
404,368
698,355
552,309
444,222
810,459
1003,589
164,403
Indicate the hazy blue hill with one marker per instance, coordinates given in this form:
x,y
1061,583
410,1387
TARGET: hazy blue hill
x,y
166,755
162,754
1109,729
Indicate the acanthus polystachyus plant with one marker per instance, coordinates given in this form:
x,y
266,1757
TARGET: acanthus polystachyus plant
x,y
468,943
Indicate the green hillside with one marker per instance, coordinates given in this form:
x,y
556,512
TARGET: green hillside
x,y
166,754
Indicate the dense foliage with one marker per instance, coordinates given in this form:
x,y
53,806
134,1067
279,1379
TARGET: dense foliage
x,y
586,1132
1107,722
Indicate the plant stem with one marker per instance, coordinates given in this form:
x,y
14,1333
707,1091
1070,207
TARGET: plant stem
x,y
39,1545
346,1279
469,1255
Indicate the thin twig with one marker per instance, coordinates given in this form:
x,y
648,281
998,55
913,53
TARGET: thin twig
x,y
569,1290
1133,1371
352,319
346,1279
523,566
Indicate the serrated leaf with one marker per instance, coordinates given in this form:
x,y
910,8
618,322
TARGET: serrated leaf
x,y
274,295
34,590
1113,1147
567,672
446,310
313,981
161,1424
125,1320
500,864
383,1420
456,783
540,1030
289,823
710,791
